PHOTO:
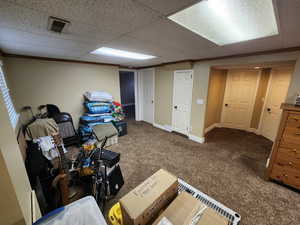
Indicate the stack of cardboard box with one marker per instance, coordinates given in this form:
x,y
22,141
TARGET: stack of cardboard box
x,y
156,201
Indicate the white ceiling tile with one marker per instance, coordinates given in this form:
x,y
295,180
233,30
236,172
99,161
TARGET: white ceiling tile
x,y
130,43
33,21
289,20
44,51
167,7
133,25
18,36
166,33
114,15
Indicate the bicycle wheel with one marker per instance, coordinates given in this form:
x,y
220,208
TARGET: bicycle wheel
x,y
98,191
101,198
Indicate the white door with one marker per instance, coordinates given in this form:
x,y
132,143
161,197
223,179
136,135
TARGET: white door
x,y
276,94
182,100
148,95
240,93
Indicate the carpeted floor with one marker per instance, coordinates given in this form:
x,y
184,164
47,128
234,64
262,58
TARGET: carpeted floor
x,y
229,167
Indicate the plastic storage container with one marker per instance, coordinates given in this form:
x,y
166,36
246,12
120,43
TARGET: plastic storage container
x,y
115,215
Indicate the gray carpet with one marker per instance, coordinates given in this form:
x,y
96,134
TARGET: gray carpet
x,y
229,167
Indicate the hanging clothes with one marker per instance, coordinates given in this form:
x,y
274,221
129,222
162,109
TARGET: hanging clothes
x,y
48,147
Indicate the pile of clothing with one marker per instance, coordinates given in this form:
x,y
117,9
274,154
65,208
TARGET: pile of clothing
x,y
100,108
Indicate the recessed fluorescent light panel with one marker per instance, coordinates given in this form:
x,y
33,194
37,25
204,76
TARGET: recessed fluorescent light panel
x,y
229,21
121,53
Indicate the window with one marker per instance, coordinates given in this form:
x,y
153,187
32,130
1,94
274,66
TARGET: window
x,y
13,115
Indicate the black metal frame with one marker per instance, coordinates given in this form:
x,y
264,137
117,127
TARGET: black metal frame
x,y
100,182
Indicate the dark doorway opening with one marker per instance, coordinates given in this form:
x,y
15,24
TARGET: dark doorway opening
x,y
127,93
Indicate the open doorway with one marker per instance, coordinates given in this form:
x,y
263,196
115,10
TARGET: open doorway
x,y
248,97
127,90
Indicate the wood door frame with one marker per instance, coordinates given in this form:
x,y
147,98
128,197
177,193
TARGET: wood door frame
x,y
251,105
190,105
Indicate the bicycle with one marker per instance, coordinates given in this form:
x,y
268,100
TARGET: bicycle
x,y
99,177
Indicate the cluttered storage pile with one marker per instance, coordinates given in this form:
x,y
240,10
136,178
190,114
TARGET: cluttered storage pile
x,y
100,109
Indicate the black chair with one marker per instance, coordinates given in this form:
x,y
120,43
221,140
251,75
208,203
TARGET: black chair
x,y
65,123
52,110
66,128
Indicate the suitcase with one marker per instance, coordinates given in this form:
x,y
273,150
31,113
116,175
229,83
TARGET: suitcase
x,y
110,158
115,180
121,126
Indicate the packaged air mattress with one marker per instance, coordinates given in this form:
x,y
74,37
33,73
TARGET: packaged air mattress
x,y
90,120
98,107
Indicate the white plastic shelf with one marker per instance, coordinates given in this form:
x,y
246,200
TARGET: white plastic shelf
x,y
233,217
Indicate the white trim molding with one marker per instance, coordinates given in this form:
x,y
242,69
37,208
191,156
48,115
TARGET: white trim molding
x,y
168,128
197,139
254,130
163,127
211,127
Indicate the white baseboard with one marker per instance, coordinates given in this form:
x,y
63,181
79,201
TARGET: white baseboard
x,y
190,136
211,127
163,127
200,140
254,130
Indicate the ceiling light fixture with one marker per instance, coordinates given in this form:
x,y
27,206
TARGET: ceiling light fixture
x,y
229,21
257,67
121,53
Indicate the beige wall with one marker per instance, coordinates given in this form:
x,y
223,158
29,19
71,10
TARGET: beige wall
x,y
163,98
35,82
10,209
164,86
216,90
202,70
15,204
260,97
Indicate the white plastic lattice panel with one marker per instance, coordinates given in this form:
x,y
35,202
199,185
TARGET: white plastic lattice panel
x,y
233,217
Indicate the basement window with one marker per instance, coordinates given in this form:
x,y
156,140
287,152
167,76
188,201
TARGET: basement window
x,y
13,115
229,21
121,53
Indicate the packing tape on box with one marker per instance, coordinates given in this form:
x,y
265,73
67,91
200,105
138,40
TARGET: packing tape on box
x,y
164,221
198,215
194,221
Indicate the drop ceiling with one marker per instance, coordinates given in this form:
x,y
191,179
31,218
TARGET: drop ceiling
x,y
132,25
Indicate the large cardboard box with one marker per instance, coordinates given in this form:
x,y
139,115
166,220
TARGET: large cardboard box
x,y
187,210
142,205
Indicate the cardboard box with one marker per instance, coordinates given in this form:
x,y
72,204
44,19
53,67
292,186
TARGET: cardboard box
x,y
142,205
187,210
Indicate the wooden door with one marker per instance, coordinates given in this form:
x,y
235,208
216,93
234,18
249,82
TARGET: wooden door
x,y
182,100
240,93
276,94
148,95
